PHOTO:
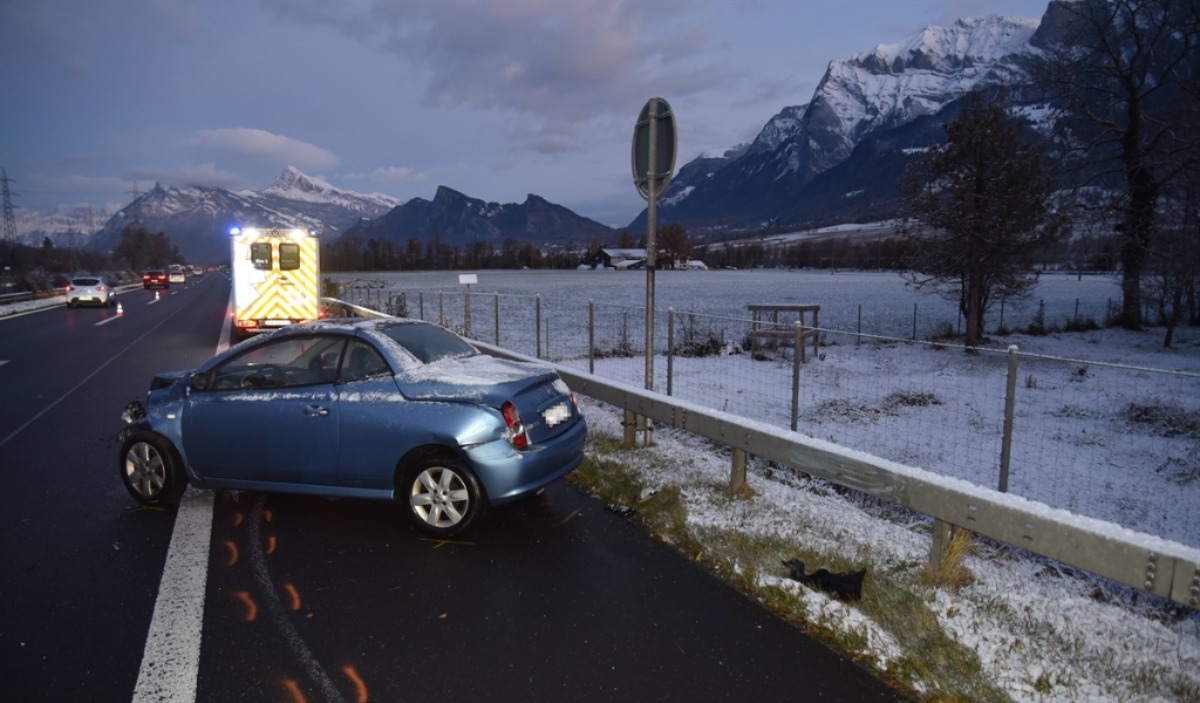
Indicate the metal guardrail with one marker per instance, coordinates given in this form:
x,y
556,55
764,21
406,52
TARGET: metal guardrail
x,y
15,297
1164,568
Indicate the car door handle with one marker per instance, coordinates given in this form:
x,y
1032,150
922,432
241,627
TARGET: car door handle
x,y
315,411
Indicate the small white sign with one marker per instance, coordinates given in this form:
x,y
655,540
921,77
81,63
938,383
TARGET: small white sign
x,y
468,278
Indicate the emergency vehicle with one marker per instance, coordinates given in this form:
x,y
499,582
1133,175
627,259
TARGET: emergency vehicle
x,y
276,278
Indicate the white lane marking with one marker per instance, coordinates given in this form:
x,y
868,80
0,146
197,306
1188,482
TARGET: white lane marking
x,y
171,658
171,662
3,362
107,320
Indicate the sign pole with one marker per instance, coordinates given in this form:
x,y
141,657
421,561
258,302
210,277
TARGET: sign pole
x,y
651,174
651,252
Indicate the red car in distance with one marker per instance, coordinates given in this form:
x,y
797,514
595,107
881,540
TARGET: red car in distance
x,y
155,279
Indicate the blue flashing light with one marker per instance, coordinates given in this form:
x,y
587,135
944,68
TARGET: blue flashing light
x,y
235,231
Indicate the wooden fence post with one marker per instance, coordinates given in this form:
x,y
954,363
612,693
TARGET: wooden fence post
x,y
1010,402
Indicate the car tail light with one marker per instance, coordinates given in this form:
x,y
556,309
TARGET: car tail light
x,y
513,419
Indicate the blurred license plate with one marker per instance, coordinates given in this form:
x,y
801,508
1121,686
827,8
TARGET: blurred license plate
x,y
559,412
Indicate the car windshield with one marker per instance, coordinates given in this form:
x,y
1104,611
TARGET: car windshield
x,y
428,343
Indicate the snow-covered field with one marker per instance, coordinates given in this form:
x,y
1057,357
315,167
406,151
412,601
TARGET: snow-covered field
x,y
1107,422
1041,631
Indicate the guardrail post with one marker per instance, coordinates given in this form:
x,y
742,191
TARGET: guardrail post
x,y
796,361
670,347
421,303
1010,402
538,323
629,426
591,336
943,533
737,474
441,309
496,314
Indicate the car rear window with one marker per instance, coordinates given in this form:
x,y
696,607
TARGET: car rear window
x,y
428,343
85,281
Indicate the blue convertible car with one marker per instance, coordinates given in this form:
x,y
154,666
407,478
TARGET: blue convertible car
x,y
363,408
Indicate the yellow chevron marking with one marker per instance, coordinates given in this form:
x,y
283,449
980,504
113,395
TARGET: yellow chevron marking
x,y
286,295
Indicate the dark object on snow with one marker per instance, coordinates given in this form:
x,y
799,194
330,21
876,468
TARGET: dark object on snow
x,y
845,586
622,510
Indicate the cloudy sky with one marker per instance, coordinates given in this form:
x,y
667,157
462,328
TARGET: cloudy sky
x,y
493,98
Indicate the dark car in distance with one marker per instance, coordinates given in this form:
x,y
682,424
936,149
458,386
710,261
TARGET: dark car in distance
x,y
392,408
155,279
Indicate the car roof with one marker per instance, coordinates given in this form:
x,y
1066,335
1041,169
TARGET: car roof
x,y
368,327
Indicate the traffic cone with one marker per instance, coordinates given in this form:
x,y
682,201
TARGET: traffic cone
x,y
120,310
156,295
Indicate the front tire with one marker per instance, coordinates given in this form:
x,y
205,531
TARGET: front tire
x,y
150,469
442,495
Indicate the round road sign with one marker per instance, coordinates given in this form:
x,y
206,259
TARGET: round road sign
x,y
654,143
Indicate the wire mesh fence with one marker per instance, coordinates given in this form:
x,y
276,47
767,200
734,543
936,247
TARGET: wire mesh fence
x,y
1115,442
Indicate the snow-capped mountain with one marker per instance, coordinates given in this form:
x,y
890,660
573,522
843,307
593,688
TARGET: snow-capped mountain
x,y
877,95
295,186
197,218
64,226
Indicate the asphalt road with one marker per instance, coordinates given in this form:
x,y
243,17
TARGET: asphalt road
x,y
552,599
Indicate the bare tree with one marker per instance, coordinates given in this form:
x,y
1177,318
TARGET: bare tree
x,y
976,211
1173,267
1117,68
673,239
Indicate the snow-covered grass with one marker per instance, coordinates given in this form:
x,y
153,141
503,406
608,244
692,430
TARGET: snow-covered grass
x,y
1014,626
1018,627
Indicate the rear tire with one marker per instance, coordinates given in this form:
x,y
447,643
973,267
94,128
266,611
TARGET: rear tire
x,y
441,495
150,469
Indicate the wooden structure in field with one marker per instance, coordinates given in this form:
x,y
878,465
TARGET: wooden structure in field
x,y
765,323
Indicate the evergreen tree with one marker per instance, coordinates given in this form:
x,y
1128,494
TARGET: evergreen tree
x,y
976,210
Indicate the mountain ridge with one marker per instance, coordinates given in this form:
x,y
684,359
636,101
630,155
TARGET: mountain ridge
x,y
858,100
